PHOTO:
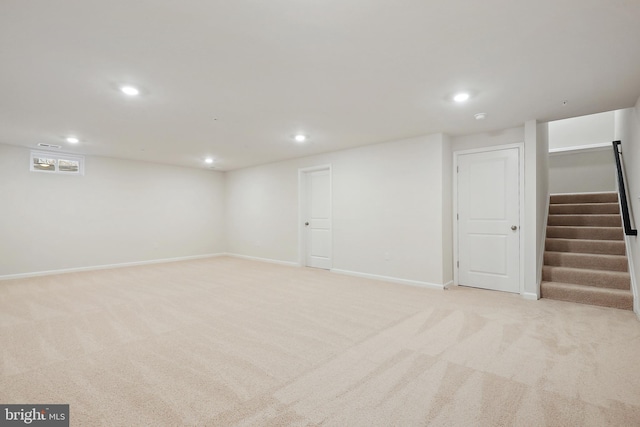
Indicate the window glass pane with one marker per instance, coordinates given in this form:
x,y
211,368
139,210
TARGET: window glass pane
x,y
57,163
43,164
68,165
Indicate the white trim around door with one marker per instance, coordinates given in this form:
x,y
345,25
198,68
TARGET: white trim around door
x,y
303,177
456,154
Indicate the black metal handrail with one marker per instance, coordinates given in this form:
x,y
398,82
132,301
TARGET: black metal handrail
x,y
626,219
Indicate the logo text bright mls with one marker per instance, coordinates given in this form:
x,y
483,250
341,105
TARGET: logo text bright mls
x,y
38,415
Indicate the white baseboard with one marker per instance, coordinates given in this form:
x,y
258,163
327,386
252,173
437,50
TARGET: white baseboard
x,y
269,260
346,272
529,296
449,283
389,279
105,266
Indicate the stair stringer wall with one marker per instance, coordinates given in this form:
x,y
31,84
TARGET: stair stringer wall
x,y
634,280
628,244
543,247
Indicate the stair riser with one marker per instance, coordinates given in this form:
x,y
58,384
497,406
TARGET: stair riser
x,y
577,209
586,220
602,279
584,198
595,262
586,246
624,302
566,232
585,256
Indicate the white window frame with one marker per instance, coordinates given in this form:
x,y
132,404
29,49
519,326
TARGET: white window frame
x,y
57,156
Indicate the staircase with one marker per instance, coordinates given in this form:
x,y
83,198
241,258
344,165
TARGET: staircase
x,y
585,258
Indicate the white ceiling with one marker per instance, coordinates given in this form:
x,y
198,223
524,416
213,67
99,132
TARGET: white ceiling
x,y
237,79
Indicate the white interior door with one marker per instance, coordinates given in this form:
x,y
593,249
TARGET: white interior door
x,y
318,219
489,220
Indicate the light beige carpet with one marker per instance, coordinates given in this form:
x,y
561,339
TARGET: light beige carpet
x,y
226,342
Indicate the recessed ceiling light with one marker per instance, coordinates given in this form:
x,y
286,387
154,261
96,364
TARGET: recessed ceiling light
x,y
72,140
300,138
208,160
480,116
130,90
461,97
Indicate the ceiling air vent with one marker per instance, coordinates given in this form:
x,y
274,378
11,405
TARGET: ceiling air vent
x,y
44,145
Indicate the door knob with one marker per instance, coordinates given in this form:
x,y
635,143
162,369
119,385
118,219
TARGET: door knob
x,y
514,227
306,224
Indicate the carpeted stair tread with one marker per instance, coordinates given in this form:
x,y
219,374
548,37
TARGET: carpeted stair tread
x,y
585,255
588,261
588,277
591,220
604,297
585,232
609,247
608,197
584,208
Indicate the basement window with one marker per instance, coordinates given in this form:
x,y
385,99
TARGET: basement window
x,y
56,163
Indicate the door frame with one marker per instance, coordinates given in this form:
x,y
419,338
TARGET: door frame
x,y
302,197
456,154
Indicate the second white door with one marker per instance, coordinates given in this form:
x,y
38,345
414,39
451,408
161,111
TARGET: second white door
x,y
317,226
489,220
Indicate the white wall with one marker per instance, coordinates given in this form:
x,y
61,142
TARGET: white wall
x,y
542,196
393,198
447,210
628,132
582,131
582,172
532,214
121,211
490,139
535,140
387,198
